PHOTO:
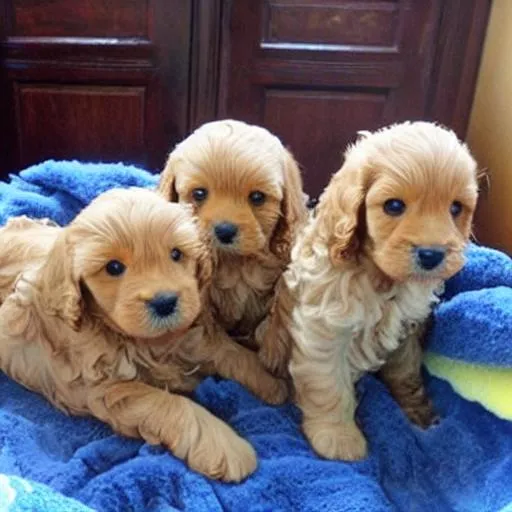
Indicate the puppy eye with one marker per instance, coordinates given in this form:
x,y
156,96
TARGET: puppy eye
x,y
199,194
257,198
176,254
394,207
115,268
456,208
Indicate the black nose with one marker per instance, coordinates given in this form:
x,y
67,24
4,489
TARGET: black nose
x,y
226,232
429,258
163,304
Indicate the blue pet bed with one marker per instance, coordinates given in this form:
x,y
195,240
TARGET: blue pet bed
x,y
52,462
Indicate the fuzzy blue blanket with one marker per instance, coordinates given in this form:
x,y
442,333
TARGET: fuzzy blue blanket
x,y
49,461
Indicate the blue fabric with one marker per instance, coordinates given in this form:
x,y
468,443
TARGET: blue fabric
x,y
474,323
464,463
59,190
20,495
484,268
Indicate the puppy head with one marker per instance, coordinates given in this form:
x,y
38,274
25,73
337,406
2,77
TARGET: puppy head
x,y
405,196
132,258
244,186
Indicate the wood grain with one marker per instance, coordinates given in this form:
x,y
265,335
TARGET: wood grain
x,y
82,18
83,122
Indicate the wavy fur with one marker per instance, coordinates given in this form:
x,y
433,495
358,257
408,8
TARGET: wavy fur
x,y
89,343
359,300
231,159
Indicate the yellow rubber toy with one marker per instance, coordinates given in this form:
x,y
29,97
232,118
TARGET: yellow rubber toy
x,y
491,386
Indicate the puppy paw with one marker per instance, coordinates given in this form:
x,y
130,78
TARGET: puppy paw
x,y
274,362
241,461
337,441
273,391
235,461
423,415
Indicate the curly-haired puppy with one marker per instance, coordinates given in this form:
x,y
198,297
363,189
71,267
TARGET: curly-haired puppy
x,y
102,318
246,191
389,229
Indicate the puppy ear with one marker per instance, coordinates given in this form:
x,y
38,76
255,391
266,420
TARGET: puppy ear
x,y
339,212
204,269
60,283
293,210
167,186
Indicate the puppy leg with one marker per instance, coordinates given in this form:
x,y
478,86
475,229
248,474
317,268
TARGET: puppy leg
x,y
402,376
232,361
191,433
272,335
325,393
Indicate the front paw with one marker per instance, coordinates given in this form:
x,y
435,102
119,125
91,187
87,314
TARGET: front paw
x,y
274,361
337,441
423,415
272,390
240,461
229,458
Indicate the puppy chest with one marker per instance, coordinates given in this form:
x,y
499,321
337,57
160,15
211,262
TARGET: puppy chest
x,y
385,322
243,300
240,307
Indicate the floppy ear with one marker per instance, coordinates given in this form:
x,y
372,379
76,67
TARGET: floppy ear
x,y
293,210
166,186
339,212
204,269
60,283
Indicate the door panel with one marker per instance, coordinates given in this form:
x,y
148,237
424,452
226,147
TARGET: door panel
x,y
320,109
53,119
366,23
86,18
93,79
317,71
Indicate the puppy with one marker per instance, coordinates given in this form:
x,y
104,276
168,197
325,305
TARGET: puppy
x,y
246,191
388,230
103,317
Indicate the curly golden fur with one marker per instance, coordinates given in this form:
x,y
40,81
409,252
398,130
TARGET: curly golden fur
x,y
103,317
389,229
250,205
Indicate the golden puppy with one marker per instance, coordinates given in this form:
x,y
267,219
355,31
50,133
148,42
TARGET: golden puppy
x,y
246,191
389,229
103,317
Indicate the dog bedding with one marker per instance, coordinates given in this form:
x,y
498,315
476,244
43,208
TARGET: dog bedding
x,y
477,361
49,461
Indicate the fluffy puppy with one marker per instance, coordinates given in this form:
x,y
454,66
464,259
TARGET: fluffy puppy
x,y
389,229
103,317
246,191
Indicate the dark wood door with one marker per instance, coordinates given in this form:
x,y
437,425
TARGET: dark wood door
x,y
93,79
125,80
316,72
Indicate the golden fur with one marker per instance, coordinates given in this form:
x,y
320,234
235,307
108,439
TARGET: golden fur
x,y
361,296
230,160
90,342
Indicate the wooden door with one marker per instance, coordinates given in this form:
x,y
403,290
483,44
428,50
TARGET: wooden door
x,y
126,79
93,79
317,71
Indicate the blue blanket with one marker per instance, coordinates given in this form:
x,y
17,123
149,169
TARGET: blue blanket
x,y
478,299
49,460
